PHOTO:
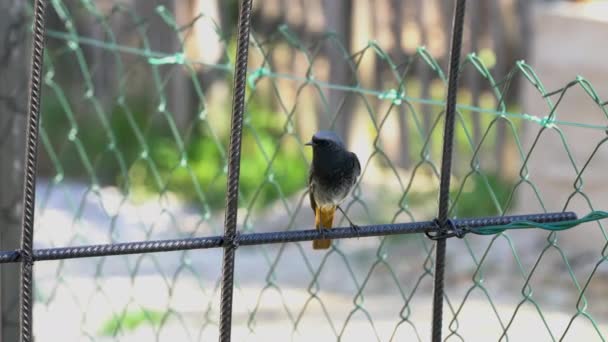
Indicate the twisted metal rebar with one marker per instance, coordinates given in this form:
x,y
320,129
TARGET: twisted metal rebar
x,y
234,160
471,225
29,198
446,167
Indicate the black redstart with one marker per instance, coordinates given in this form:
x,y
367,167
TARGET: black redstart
x,y
333,173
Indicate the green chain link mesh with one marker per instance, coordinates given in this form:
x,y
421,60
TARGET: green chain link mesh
x,y
120,163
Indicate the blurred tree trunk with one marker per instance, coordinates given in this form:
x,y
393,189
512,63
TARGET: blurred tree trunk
x,y
523,9
398,55
497,29
377,68
101,62
180,98
447,15
180,94
14,58
524,14
302,116
474,79
338,18
424,71
163,38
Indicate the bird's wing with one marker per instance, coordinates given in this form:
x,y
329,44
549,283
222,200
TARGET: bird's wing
x,y
357,165
313,204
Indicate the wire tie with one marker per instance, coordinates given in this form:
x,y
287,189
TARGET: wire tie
x,y
392,95
547,121
234,241
27,259
177,58
256,75
451,230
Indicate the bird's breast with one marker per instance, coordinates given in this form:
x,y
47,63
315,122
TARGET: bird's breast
x,y
333,176
331,193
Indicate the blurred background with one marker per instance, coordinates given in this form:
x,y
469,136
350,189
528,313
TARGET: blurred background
x,y
135,124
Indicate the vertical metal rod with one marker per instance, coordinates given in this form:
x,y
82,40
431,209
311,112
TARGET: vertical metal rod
x,y
446,167
31,151
234,159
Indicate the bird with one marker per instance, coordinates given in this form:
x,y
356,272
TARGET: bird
x,y
333,173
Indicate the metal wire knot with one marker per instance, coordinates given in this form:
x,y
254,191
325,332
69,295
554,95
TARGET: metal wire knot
x,y
27,259
233,240
450,230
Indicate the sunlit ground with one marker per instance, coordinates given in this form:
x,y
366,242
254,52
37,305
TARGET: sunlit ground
x,y
476,323
175,296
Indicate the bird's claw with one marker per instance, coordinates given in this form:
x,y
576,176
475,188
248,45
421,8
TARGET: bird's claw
x,y
322,232
356,229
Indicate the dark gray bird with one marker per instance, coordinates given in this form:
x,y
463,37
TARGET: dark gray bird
x,y
333,173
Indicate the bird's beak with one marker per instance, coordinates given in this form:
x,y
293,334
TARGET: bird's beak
x,y
309,143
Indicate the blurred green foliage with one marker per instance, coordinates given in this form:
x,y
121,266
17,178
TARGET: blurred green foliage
x,y
130,321
472,196
482,195
196,172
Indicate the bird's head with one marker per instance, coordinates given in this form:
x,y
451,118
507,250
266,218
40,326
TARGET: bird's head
x,y
325,141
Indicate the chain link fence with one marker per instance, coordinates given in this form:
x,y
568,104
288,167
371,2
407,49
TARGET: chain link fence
x,y
136,101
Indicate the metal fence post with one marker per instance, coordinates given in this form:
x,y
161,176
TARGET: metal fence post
x,y
234,160
446,167
29,188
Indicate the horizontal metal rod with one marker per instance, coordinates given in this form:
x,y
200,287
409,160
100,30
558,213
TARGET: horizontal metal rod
x,y
251,239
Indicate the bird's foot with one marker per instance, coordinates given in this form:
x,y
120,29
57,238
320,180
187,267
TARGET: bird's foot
x,y
356,229
353,226
322,232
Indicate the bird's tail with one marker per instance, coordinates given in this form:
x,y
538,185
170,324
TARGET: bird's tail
x,y
324,217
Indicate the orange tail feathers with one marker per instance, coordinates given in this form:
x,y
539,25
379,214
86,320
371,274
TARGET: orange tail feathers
x,y
324,217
